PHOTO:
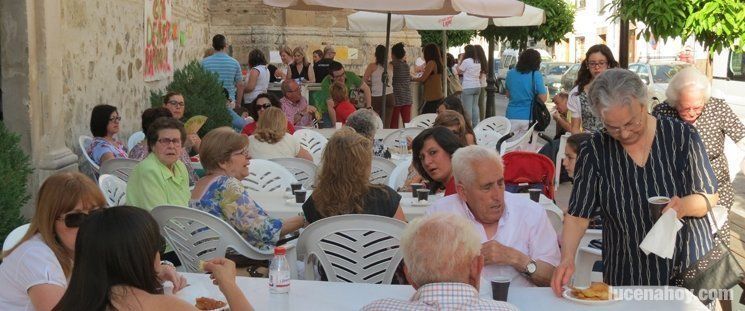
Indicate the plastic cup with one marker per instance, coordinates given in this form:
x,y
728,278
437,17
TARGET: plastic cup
x,y
535,194
300,196
296,186
422,194
500,287
656,205
414,188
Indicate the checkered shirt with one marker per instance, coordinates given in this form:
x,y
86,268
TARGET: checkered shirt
x,y
441,296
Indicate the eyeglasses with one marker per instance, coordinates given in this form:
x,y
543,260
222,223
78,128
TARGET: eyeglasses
x,y
117,119
244,152
167,141
177,103
597,64
690,110
264,106
76,218
338,76
632,126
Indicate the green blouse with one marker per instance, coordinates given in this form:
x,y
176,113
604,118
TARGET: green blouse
x,y
152,184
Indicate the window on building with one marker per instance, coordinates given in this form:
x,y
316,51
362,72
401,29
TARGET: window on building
x,y
736,70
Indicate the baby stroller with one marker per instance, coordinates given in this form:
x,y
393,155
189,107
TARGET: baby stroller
x,y
535,169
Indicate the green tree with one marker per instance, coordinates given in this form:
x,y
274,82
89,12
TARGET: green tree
x,y
203,95
559,22
455,37
716,24
15,169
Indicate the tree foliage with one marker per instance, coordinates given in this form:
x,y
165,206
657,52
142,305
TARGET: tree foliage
x,y
202,93
455,37
716,24
15,169
559,22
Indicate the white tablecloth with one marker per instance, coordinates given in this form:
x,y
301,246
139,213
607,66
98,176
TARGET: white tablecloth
x,y
380,134
315,295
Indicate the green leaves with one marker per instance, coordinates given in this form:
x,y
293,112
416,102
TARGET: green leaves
x,y
455,37
15,169
559,22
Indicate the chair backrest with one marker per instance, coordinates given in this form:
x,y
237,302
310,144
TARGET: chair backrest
x,y
423,120
121,168
196,235
487,137
113,188
304,170
516,144
267,176
532,168
14,237
134,139
84,142
312,141
378,122
353,248
497,124
381,170
555,217
399,174
398,137
559,158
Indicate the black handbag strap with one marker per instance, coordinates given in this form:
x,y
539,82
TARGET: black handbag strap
x,y
535,92
710,211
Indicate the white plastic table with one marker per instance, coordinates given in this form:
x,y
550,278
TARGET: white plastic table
x,y
316,295
379,134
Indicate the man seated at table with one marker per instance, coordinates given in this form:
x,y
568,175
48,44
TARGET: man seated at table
x,y
353,83
446,276
517,238
295,106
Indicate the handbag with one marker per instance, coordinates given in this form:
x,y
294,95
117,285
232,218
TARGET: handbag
x,y
454,86
538,113
717,269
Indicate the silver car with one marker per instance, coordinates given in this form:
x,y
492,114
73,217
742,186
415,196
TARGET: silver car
x,y
552,73
656,76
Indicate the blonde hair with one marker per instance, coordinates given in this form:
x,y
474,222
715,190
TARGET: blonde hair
x,y
60,194
299,50
272,126
344,176
450,118
217,146
428,260
286,49
338,92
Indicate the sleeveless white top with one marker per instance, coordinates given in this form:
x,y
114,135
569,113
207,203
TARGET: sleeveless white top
x,y
262,84
377,82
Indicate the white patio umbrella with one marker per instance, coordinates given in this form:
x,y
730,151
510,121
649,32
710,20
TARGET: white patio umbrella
x,y
482,8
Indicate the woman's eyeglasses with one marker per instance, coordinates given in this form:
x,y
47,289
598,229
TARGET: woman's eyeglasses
x,y
167,141
117,119
264,106
597,64
76,218
243,152
630,127
176,103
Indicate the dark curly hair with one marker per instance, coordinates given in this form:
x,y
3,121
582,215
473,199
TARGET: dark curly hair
x,y
432,53
255,58
444,137
583,76
528,61
398,50
253,111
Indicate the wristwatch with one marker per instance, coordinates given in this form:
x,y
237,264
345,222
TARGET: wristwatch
x,y
530,268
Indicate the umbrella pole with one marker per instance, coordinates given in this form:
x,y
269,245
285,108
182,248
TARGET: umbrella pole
x,y
444,74
385,68
491,82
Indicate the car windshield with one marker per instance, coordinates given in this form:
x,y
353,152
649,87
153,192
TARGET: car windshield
x,y
556,69
663,73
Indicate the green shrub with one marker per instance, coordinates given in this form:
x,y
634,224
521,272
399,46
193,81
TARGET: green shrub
x,y
202,93
15,169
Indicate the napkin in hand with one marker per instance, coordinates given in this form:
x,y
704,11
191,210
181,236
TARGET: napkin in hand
x,y
661,239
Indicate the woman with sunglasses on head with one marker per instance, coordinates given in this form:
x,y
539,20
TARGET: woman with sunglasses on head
x,y
598,59
104,125
34,273
257,109
122,271
225,157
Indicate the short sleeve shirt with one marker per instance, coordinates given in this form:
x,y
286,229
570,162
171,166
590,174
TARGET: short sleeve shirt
x,y
100,146
380,200
228,71
352,81
287,147
471,73
523,87
152,184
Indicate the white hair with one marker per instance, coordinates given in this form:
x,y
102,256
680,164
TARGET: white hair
x,y
687,79
439,248
465,162
616,87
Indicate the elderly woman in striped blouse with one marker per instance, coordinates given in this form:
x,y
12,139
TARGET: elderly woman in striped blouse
x,y
635,157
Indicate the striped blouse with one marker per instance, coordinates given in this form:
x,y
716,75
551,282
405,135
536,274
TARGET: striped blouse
x,y
401,82
606,178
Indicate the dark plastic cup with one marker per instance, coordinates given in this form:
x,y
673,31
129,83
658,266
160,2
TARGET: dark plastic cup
x,y
656,205
300,196
296,186
535,194
414,188
422,194
500,287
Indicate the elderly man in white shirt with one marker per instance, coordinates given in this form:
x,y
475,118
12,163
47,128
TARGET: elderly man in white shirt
x,y
517,238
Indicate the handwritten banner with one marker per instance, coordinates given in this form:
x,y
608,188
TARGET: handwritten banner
x,y
159,36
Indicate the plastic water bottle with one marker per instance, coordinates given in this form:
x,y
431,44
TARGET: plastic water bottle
x,y
279,272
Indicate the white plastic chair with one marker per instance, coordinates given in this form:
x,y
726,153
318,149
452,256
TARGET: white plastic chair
x,y
517,144
555,217
487,138
497,124
423,120
398,137
353,248
399,174
304,170
378,122
559,158
14,237
196,235
312,141
113,188
381,170
85,141
121,168
135,139
267,176
586,257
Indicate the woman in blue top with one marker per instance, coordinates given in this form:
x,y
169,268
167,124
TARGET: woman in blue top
x,y
104,125
523,83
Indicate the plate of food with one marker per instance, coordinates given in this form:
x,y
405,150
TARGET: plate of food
x,y
206,303
203,298
598,293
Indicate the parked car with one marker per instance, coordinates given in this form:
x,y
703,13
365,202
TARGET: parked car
x,y
508,61
656,75
569,77
552,73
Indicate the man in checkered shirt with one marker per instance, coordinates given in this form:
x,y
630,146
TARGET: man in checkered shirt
x,y
445,275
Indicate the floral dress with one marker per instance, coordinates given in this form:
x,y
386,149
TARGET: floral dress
x,y
100,146
228,199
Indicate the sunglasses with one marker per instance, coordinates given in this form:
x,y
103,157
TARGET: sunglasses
x,y
76,218
264,106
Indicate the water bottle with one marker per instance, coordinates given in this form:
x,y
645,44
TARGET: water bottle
x,y
279,272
